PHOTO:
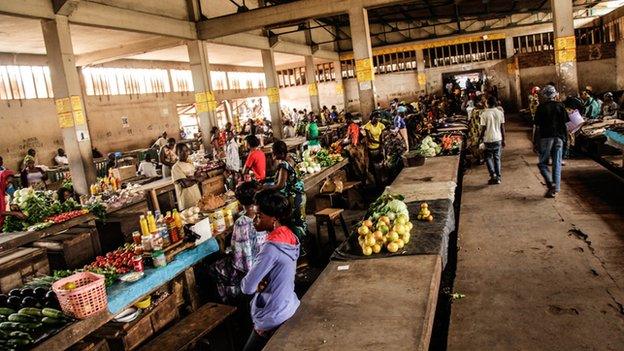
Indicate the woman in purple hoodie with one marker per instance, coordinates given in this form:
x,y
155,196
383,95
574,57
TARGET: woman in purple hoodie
x,y
272,277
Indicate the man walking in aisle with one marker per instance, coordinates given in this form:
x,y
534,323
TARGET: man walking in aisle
x,y
550,119
492,122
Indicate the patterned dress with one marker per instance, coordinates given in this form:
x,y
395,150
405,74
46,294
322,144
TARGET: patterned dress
x,y
246,242
294,190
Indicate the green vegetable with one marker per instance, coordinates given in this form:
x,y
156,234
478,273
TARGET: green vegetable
x,y
19,342
11,326
51,312
4,334
30,326
30,311
5,311
20,335
22,318
53,321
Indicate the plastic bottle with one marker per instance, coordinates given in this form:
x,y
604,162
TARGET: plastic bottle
x,y
151,222
178,224
144,226
171,226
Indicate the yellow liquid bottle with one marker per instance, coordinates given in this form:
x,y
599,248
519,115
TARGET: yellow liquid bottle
x,y
151,222
144,226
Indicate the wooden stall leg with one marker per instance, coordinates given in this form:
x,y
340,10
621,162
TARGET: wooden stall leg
x,y
345,229
190,287
318,235
332,233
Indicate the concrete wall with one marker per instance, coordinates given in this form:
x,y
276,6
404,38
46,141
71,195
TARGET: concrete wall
x,y
297,97
599,74
33,124
400,85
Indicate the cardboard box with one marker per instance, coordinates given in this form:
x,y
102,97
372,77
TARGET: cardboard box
x,y
124,172
214,185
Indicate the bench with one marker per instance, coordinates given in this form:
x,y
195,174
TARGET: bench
x,y
185,334
328,216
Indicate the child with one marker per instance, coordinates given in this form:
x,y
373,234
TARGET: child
x,y
147,168
272,277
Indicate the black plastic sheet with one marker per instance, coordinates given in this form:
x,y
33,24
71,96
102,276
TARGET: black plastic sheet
x,y
426,237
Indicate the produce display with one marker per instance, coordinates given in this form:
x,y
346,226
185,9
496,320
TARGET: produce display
x,y
428,147
387,225
41,209
450,143
29,315
113,264
210,202
313,163
424,214
113,199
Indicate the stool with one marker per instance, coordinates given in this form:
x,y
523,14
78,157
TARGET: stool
x,y
329,216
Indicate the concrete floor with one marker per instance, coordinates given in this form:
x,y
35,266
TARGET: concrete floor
x,y
539,274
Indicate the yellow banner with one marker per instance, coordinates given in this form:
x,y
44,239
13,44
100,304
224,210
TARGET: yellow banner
x,y
63,105
273,95
65,119
201,107
422,79
200,97
210,96
565,49
212,106
79,118
339,89
76,103
433,44
312,89
364,70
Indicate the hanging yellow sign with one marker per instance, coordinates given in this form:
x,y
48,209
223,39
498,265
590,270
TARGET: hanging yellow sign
x,y
273,95
313,89
565,49
63,105
339,89
422,79
200,97
364,70
65,119
212,106
79,118
76,103
201,107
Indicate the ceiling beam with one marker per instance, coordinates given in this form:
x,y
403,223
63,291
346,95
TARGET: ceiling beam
x,y
126,50
293,11
64,7
252,41
99,15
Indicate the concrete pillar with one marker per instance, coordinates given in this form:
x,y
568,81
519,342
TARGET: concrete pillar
x,y
205,103
272,86
340,89
310,74
69,102
420,67
565,47
509,47
619,63
363,56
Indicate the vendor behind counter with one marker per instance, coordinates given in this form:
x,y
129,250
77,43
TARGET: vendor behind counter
x,y
185,178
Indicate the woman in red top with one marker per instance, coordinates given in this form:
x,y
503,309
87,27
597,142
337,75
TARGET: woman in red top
x,y
353,130
256,161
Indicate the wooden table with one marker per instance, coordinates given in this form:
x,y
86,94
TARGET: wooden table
x,y
291,143
312,180
153,189
375,304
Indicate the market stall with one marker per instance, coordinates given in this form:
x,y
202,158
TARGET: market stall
x,y
602,141
384,304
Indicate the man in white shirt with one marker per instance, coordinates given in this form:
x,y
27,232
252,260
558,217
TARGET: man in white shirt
x,y
493,136
61,158
232,158
147,167
160,142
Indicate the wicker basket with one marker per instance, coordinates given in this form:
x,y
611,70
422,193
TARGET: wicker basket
x,y
88,298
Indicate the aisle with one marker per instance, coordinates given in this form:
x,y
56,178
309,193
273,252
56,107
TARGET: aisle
x,y
539,273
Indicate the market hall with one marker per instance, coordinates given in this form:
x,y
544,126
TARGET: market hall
x,y
311,175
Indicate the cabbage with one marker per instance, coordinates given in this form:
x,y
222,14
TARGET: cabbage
x,y
397,207
310,170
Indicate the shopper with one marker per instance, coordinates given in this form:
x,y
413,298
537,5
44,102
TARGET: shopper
x,y
312,134
33,176
160,142
61,158
550,119
289,130
272,278
168,158
185,178
290,185
6,194
373,130
256,160
592,106
609,107
232,157
492,122
400,126
147,167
